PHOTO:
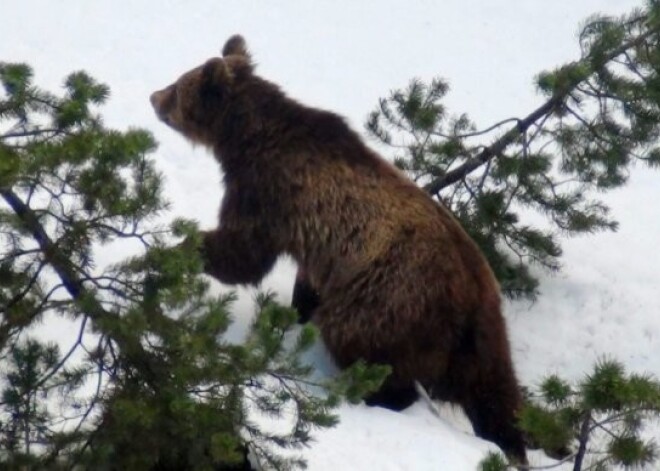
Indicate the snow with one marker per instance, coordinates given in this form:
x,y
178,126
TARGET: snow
x,y
395,441
343,56
604,302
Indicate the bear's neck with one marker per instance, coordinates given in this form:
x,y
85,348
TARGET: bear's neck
x,y
269,124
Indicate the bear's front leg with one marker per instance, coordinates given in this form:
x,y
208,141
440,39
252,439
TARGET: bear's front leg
x,y
305,299
237,257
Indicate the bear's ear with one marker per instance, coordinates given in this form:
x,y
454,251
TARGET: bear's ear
x,y
215,72
216,77
236,46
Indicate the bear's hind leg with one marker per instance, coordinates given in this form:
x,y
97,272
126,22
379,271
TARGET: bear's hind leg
x,y
491,403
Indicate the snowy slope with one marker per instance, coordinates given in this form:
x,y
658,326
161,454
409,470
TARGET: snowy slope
x,y
343,55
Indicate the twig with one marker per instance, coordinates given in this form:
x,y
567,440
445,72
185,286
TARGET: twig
x,y
28,287
34,132
66,357
433,407
480,132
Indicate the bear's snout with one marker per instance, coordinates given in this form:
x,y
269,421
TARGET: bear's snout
x,y
159,100
156,99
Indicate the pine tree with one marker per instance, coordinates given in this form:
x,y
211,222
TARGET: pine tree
x,y
149,381
598,424
600,117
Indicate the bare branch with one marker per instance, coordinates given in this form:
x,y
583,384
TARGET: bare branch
x,y
66,357
496,148
34,132
481,132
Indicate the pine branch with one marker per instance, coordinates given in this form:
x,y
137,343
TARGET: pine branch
x,y
74,284
523,125
496,148
60,264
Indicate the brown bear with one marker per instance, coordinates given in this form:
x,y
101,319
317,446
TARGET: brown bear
x,y
399,282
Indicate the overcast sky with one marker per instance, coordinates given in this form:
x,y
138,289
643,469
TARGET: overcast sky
x,y
338,54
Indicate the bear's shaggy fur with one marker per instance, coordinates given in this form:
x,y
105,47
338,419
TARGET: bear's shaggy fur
x,y
398,279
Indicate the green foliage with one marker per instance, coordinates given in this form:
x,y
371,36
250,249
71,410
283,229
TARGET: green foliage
x,y
493,462
27,382
602,418
602,115
632,452
551,431
148,379
598,424
555,390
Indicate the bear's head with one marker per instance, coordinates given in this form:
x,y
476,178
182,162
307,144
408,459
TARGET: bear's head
x,y
197,103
